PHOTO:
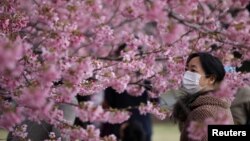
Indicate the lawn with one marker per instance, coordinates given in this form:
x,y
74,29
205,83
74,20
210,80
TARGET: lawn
x,y
3,135
165,132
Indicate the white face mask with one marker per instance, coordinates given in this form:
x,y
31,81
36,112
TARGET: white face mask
x,y
191,82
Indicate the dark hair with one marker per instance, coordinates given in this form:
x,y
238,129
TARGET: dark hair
x,y
210,64
212,67
245,67
133,132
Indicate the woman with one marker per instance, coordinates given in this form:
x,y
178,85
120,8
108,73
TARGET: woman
x,y
204,74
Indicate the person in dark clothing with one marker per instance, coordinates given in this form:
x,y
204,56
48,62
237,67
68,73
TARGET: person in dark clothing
x,y
132,131
113,99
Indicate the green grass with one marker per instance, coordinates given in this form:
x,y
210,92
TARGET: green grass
x,y
3,135
165,132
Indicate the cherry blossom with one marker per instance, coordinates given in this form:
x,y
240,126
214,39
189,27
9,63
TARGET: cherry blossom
x,y
51,51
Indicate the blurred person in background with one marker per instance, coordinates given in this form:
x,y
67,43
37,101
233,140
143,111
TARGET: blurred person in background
x,y
132,131
113,99
241,106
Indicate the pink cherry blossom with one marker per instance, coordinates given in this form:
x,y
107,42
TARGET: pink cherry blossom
x,y
21,132
88,111
197,130
11,119
50,51
152,109
110,138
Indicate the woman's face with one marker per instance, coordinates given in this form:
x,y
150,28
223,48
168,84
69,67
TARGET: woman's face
x,y
195,66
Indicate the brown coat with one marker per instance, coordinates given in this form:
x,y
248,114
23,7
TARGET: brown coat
x,y
241,106
205,106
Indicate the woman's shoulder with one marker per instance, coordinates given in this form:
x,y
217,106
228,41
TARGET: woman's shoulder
x,y
210,100
209,106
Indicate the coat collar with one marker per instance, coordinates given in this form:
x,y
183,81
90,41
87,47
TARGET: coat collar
x,y
209,99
